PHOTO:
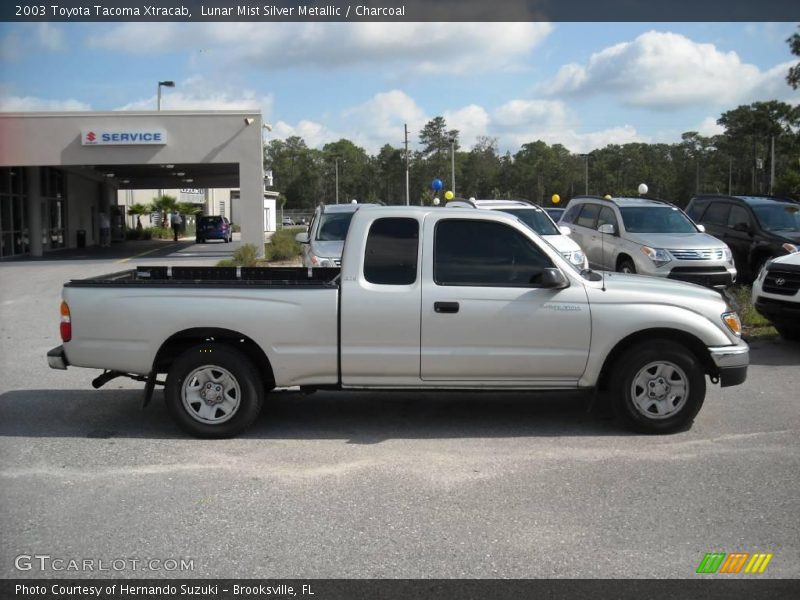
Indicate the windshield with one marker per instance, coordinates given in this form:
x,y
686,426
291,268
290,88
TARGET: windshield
x,y
535,219
656,219
778,217
333,227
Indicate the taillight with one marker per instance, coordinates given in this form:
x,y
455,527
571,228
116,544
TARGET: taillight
x,y
66,323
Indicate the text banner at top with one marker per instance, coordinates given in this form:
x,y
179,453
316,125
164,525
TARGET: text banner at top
x,y
399,10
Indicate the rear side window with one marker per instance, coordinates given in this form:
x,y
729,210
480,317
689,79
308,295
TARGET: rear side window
x,y
391,254
717,214
696,210
588,216
485,253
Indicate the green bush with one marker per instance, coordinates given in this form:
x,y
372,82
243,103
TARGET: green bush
x,y
161,233
226,262
138,234
246,255
283,246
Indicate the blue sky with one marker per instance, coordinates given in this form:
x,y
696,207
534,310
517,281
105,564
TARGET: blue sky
x,y
580,84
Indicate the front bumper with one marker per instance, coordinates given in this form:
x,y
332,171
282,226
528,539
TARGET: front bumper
x,y
731,362
777,310
57,359
716,277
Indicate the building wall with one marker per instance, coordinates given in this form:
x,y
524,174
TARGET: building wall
x,y
83,195
213,137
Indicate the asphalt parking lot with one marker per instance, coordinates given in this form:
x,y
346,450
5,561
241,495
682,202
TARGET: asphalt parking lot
x,y
362,485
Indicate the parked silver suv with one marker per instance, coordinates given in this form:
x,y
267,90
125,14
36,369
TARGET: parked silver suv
x,y
649,237
323,243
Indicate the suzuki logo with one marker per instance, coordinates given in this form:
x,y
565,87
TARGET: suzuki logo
x,y
91,136
780,281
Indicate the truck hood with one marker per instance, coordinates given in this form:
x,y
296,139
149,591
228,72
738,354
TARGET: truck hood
x,y
622,288
327,249
787,259
676,241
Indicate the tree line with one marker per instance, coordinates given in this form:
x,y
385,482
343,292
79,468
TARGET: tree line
x,y
738,161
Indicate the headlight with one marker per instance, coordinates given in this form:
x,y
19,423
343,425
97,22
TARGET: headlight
x,y
318,261
577,258
790,248
727,254
658,255
731,319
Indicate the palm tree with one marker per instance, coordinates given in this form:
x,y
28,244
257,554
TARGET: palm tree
x,y
165,205
137,210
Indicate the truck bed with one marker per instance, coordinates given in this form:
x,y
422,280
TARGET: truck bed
x,y
269,277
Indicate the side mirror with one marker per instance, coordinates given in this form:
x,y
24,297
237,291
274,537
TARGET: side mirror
x,y
564,229
607,228
554,279
701,228
302,237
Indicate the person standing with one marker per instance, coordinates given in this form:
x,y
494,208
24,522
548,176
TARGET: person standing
x,y
105,230
177,220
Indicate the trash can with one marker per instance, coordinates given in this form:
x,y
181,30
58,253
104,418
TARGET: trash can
x,y
81,238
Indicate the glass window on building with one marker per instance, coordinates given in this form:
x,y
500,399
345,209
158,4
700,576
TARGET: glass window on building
x,y
14,234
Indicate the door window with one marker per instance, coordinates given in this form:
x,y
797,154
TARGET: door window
x,y
588,215
717,214
739,216
607,216
484,253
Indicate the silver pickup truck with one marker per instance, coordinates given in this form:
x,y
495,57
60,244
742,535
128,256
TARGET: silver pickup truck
x,y
426,299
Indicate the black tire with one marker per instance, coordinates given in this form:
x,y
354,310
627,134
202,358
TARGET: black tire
x,y
199,241
667,410
234,387
626,266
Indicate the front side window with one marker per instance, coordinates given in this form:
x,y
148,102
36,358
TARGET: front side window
x,y
717,214
483,253
607,217
656,219
588,216
391,254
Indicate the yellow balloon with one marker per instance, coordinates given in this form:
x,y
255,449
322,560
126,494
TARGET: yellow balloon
x,y
556,198
607,197
448,195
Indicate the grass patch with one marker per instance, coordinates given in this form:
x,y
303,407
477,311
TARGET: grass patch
x,y
753,324
283,246
244,256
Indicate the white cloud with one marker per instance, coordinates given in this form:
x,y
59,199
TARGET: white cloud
x,y
471,121
314,134
424,47
664,70
30,104
198,94
709,127
380,120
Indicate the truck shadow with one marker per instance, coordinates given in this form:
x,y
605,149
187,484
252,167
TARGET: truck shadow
x,y
356,417
775,352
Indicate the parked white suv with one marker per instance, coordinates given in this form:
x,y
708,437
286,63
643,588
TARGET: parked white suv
x,y
776,294
538,220
649,237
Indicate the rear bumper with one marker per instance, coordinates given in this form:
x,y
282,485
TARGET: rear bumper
x,y
732,362
57,359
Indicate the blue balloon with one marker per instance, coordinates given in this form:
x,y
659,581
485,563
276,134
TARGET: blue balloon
x,y
437,185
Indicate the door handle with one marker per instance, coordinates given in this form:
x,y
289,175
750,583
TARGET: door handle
x,y
445,307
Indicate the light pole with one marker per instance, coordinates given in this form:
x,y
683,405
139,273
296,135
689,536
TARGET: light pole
x,y
586,173
453,165
164,84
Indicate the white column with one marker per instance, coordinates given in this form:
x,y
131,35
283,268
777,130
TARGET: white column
x,y
251,203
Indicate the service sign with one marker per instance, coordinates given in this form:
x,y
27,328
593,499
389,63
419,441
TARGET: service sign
x,y
123,137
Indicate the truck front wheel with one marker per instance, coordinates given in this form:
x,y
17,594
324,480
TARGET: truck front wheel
x,y
659,387
213,391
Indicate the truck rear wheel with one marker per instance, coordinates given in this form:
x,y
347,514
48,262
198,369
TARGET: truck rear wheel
x,y
659,387
214,391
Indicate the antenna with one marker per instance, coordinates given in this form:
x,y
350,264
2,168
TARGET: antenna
x,y
603,254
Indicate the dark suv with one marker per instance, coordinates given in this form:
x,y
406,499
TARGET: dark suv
x,y
756,228
213,228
